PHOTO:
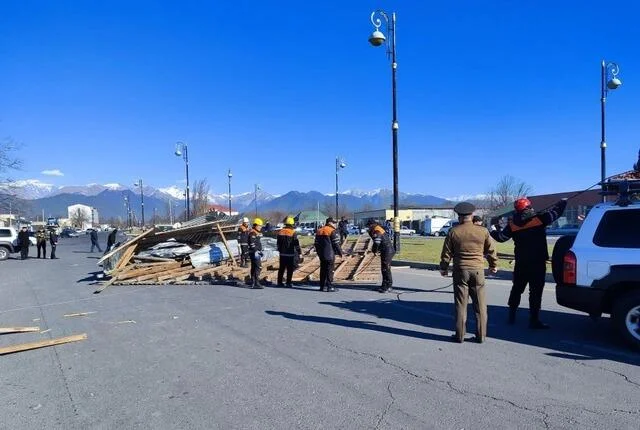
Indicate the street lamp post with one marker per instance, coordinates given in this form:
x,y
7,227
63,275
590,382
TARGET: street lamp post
x,y
139,184
609,81
229,176
378,38
340,164
255,199
182,150
128,209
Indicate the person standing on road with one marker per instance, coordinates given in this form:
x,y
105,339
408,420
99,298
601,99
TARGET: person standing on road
x,y
467,245
111,239
41,242
382,245
24,242
289,249
343,229
94,240
53,241
255,252
529,234
243,238
327,245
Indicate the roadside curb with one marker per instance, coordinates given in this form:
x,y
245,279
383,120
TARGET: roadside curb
x,y
502,274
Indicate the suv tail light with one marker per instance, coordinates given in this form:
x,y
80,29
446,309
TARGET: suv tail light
x,y
569,268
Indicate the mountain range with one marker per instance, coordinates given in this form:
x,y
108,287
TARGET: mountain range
x,y
34,197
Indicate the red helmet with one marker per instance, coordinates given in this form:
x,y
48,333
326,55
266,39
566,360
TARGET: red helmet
x,y
522,204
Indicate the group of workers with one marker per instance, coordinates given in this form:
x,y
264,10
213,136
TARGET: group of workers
x,y
42,237
467,246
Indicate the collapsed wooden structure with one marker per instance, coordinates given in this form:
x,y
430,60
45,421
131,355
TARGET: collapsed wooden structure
x,y
125,267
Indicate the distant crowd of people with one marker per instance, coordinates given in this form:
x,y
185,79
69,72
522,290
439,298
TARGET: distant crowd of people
x,y
42,237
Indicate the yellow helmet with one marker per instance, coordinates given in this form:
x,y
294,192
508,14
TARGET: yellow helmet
x,y
258,221
289,221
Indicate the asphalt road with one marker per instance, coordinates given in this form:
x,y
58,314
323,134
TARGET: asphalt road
x,y
223,357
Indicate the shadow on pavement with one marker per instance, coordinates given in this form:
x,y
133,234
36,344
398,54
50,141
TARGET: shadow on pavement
x,y
366,325
572,336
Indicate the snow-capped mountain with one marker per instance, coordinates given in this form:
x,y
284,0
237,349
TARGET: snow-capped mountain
x,y
28,189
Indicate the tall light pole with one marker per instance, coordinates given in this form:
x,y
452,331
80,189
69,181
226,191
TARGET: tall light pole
x,y
229,176
182,150
128,209
609,81
340,164
256,189
139,184
378,38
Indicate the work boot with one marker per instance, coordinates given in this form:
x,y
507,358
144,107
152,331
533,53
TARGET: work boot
x,y
280,285
512,316
332,289
289,285
536,324
257,286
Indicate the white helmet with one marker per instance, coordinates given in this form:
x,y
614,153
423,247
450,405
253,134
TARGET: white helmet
x,y
245,220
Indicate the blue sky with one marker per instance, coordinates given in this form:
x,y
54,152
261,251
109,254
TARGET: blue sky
x,y
102,91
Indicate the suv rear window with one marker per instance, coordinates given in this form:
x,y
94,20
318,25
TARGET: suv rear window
x,y
5,232
619,229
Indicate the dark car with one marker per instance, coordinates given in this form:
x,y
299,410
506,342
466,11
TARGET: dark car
x,y
68,232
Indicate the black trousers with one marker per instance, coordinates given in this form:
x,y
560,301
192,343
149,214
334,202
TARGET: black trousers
x,y
24,251
95,245
326,273
343,237
42,246
533,274
244,254
53,251
385,268
286,263
256,268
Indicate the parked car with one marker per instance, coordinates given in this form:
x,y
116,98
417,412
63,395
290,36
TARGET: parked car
x,y
68,232
9,242
448,226
406,231
597,270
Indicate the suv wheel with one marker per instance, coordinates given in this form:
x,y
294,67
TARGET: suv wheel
x,y
626,317
4,253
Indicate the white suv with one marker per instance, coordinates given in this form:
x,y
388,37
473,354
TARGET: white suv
x,y
598,270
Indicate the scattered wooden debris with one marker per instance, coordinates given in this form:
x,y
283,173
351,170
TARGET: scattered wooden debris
x,y
79,314
41,344
7,330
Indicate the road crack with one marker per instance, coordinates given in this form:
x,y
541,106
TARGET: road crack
x,y
386,410
625,377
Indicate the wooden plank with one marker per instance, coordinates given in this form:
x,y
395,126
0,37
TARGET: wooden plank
x,y
362,266
342,265
7,330
226,245
126,257
135,240
79,314
41,344
172,273
148,271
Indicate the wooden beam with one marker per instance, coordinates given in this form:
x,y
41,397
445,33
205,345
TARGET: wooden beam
x,y
226,245
7,330
41,344
124,260
129,243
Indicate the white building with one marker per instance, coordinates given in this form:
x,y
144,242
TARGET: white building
x,y
90,216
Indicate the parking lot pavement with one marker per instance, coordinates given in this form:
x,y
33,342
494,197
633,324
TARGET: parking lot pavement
x,y
223,357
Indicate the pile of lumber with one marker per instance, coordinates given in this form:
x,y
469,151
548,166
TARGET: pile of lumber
x,y
125,267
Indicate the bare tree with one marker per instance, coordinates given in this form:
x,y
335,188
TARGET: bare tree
x,y
507,190
79,218
200,200
8,162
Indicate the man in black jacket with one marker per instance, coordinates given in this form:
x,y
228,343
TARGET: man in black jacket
x,y
255,253
24,242
343,229
382,245
289,249
528,231
94,240
53,240
327,245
